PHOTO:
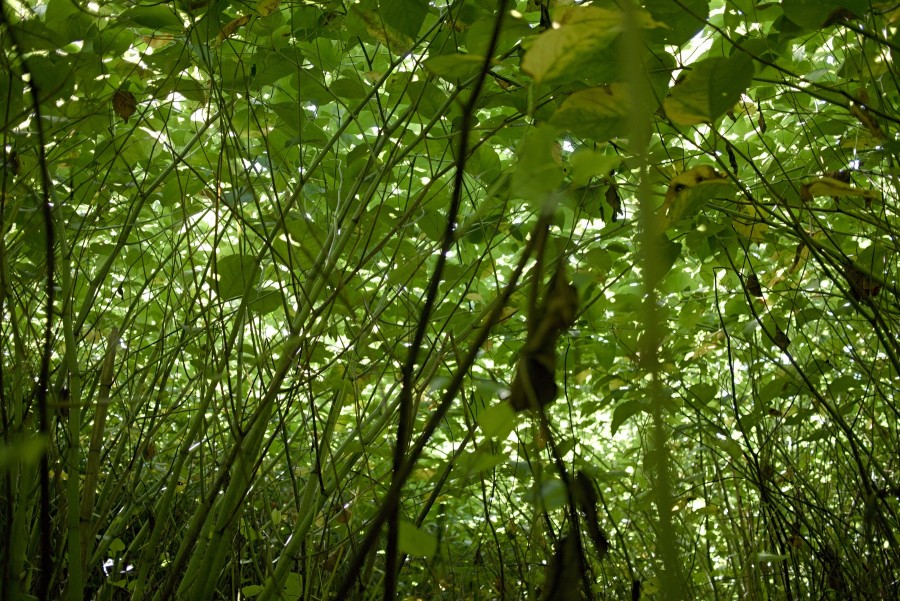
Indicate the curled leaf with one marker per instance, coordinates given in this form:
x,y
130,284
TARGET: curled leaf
x,y
753,286
231,27
586,497
829,186
688,192
267,7
534,382
614,201
124,104
862,286
865,117
781,339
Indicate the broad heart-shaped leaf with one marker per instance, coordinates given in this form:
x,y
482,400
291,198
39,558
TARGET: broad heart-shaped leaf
x,y
233,275
813,14
586,163
549,494
267,7
454,67
539,170
623,411
497,421
265,300
557,52
600,113
406,16
156,17
682,19
415,541
710,88
662,256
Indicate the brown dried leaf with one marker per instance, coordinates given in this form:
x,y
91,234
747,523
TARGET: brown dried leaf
x,y
614,201
230,28
862,287
781,339
124,104
865,117
753,286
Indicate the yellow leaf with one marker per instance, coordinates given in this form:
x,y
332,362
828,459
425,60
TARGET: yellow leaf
x,y
230,28
577,31
688,192
582,376
750,227
267,7
828,186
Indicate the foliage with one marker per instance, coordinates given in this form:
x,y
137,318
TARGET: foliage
x,y
268,270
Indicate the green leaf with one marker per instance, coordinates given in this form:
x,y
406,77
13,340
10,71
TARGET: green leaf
x,y
415,541
116,546
691,200
550,495
67,20
53,75
27,451
587,163
625,410
427,97
480,460
406,16
293,587
582,30
455,67
233,275
663,255
480,33
682,19
347,87
710,88
539,170
497,421
731,447
600,113
484,164
265,301
156,17
252,590
704,392
813,14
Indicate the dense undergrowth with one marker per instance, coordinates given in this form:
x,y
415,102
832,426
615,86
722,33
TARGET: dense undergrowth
x,y
271,271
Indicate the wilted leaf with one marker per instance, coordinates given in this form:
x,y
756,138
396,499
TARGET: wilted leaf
x,y
750,227
230,28
829,186
124,104
753,286
862,286
267,7
781,339
690,191
614,201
